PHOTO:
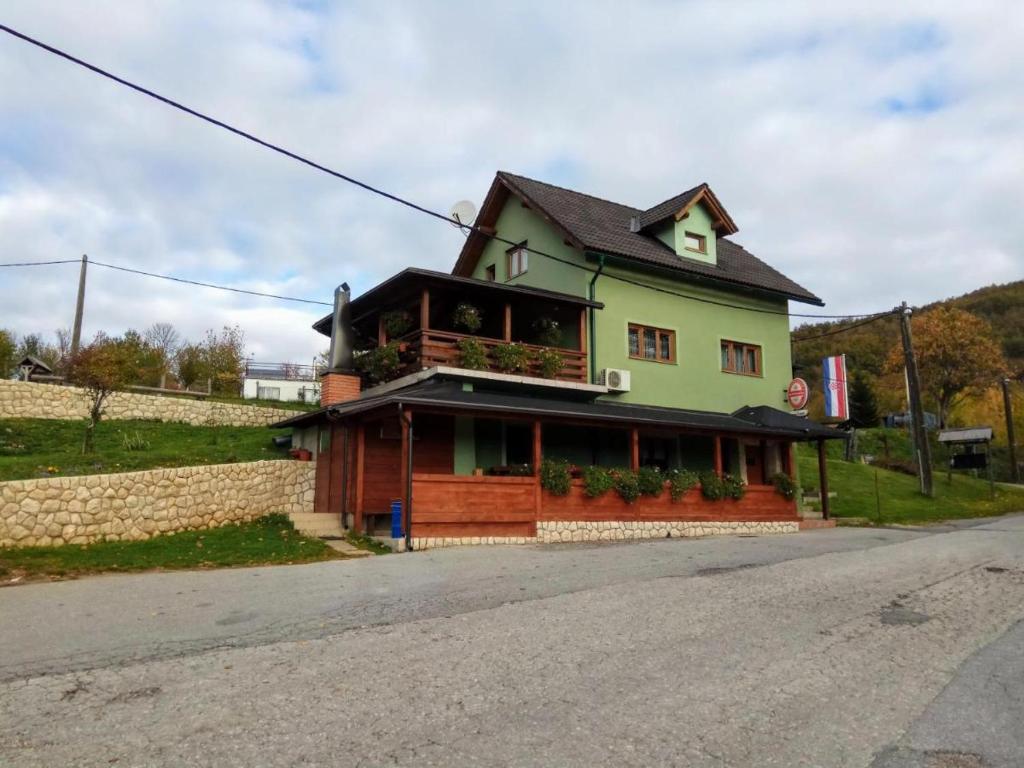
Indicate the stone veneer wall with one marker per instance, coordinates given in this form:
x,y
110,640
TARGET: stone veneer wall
x,y
27,400
579,531
138,505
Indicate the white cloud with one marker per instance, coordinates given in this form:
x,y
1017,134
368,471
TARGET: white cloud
x,y
872,153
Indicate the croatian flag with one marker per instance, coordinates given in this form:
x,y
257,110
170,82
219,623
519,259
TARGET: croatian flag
x,y
836,403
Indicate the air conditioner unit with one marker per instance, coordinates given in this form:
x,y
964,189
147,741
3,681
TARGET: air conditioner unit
x,y
616,379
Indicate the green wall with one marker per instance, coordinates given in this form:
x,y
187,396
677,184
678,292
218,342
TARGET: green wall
x,y
698,222
695,380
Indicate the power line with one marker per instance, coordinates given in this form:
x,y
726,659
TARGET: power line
x,y
376,190
879,316
172,279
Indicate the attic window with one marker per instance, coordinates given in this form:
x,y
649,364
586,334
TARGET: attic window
x,y
518,260
696,243
489,274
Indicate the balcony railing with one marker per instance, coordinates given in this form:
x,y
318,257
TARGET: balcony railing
x,y
431,348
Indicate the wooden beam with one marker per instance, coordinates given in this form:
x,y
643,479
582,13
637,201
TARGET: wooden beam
x,y
583,330
791,461
360,470
507,334
718,455
425,310
382,336
537,457
634,449
823,479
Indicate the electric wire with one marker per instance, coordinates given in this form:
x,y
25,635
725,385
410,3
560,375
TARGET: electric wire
x,y
388,195
837,331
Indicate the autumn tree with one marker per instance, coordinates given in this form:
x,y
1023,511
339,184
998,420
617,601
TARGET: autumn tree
x,y
101,368
165,339
189,365
957,356
8,348
224,357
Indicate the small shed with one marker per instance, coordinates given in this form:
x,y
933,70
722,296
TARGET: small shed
x,y
30,368
968,448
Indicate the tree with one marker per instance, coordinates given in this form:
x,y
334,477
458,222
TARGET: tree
x,y
32,344
957,355
101,368
147,361
863,404
224,356
63,347
164,338
8,348
190,364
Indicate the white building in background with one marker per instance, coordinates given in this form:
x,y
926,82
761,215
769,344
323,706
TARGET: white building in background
x,y
281,381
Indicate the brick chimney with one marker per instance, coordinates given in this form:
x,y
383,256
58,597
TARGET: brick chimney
x,y
338,387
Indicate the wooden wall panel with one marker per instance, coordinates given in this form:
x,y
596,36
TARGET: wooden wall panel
x,y
449,505
433,451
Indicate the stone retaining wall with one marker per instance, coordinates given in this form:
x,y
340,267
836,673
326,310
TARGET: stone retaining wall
x,y
137,505
27,400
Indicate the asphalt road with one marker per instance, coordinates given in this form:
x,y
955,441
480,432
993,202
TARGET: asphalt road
x,y
883,648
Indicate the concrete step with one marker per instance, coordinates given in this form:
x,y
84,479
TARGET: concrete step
x,y
317,525
811,514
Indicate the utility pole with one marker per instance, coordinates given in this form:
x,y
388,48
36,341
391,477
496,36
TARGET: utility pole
x,y
924,459
1010,439
76,332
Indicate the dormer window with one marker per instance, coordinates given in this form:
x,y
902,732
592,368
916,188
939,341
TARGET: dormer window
x,y
518,260
696,243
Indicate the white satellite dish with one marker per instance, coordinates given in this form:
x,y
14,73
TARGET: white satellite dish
x,y
463,212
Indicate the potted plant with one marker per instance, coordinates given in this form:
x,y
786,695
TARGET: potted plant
x,y
379,364
396,322
472,354
466,317
512,357
547,332
549,363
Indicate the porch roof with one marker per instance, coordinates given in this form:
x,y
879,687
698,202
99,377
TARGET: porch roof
x,y
406,286
452,396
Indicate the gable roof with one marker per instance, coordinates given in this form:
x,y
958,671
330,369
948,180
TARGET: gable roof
x,y
591,223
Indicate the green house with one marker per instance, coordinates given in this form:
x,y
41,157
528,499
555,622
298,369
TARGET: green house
x,y
572,332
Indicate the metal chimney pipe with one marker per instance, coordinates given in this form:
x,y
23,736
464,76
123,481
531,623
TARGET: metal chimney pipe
x,y
340,356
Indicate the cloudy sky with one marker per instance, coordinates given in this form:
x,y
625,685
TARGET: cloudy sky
x,y
873,154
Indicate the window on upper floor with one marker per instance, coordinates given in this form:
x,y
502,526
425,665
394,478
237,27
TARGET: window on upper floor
x,y
518,260
646,343
738,357
696,243
490,273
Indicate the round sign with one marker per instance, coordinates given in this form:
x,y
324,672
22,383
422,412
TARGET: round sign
x,y
796,394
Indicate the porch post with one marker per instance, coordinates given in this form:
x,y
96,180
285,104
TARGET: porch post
x,y
537,458
634,449
425,310
382,336
406,419
360,466
718,455
508,322
791,454
823,477
583,331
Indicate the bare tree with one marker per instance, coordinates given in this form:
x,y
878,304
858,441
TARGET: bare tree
x,y
164,338
63,347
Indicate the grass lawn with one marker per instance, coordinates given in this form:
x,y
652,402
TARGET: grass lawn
x,y
269,540
900,498
52,447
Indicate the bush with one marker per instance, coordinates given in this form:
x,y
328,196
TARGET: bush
x,y
512,358
381,363
467,317
627,485
733,487
679,482
396,322
711,486
784,485
547,332
597,481
651,481
472,354
550,363
555,477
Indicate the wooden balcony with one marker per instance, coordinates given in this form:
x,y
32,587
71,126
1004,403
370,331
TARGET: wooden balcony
x,y
430,348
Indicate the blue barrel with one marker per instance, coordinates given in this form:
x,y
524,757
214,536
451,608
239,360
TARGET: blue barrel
x,y
396,519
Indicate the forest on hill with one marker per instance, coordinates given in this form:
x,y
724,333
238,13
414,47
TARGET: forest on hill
x,y
869,350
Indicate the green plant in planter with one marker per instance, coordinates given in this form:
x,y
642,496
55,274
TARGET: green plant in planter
x,y
472,354
733,486
627,485
547,332
379,364
784,485
555,477
711,486
467,317
512,357
679,482
396,322
549,362
597,481
651,481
